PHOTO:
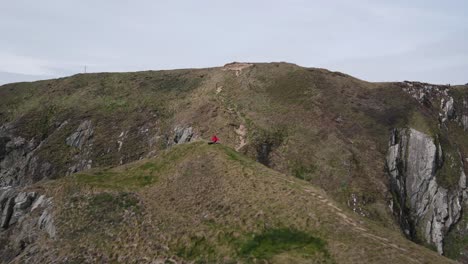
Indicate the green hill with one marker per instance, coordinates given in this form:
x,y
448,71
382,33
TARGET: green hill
x,y
390,155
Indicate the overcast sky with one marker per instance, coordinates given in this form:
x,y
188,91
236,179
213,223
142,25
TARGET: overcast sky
x,y
373,40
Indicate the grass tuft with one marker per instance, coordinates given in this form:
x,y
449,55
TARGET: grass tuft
x,y
275,241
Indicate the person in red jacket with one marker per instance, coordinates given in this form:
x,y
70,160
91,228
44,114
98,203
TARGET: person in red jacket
x,y
214,140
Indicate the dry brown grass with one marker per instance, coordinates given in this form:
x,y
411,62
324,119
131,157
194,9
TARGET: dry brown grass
x,y
206,203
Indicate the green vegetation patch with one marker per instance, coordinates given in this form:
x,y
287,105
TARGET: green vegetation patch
x,y
236,156
275,241
144,175
121,200
449,175
421,123
135,176
456,241
262,246
305,172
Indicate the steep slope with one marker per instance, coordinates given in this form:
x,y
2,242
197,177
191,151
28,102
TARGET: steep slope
x,y
327,128
202,203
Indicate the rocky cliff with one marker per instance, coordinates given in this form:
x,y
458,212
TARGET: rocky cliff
x,y
428,207
426,210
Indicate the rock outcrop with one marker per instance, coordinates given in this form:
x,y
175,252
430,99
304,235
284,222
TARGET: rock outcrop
x,y
431,95
82,140
449,108
426,211
237,67
20,164
25,216
463,115
46,220
182,135
16,159
23,202
425,93
242,133
81,136
7,203
14,206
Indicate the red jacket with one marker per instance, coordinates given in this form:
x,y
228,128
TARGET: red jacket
x,y
214,139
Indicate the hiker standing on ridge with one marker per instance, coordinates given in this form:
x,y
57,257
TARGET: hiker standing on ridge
x,y
214,140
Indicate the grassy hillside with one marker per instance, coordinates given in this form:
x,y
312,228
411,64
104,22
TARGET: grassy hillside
x,y
318,127
210,204
315,124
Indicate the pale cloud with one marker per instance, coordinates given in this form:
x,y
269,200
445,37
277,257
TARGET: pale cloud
x,y
403,39
25,65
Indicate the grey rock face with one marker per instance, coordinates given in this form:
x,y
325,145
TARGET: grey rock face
x,y
3,147
7,203
182,135
463,116
46,222
425,209
464,121
19,165
82,135
15,206
450,109
424,92
447,108
22,203
29,219
81,139
14,158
